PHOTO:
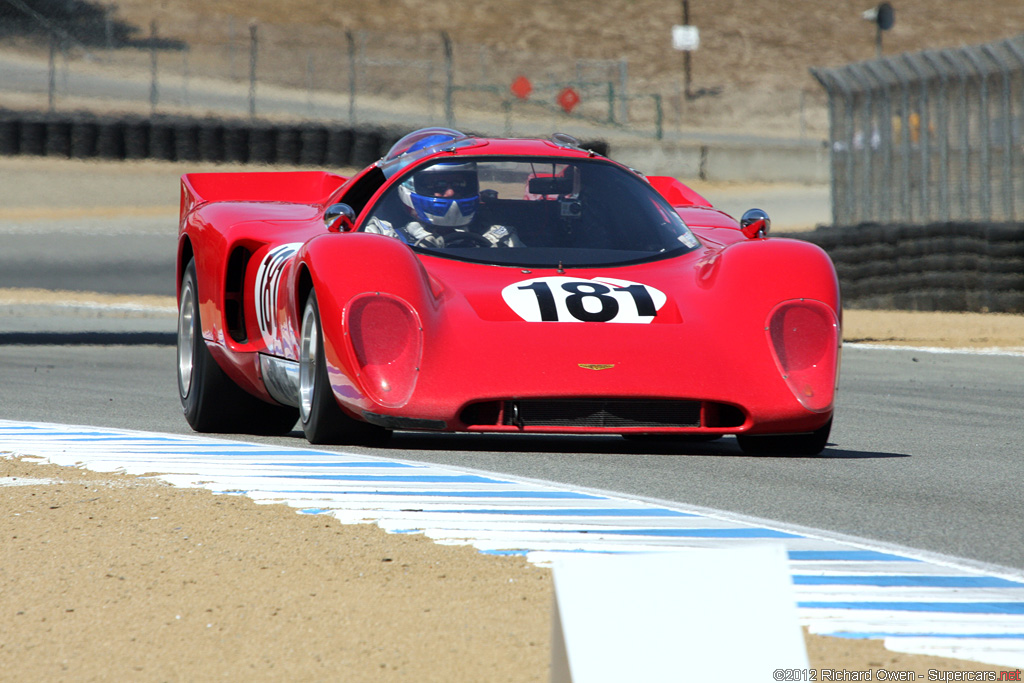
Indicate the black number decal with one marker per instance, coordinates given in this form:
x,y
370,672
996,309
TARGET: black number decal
x,y
574,302
642,299
545,300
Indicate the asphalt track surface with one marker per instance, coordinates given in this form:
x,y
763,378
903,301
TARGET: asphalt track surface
x,y
96,254
926,451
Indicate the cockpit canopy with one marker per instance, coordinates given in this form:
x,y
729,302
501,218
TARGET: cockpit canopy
x,y
419,144
572,210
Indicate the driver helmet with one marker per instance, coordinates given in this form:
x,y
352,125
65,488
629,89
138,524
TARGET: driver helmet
x,y
445,194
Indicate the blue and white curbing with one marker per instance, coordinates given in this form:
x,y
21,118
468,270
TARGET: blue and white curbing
x,y
846,587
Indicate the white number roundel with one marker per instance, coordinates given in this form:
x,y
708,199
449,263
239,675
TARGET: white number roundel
x,y
268,279
569,299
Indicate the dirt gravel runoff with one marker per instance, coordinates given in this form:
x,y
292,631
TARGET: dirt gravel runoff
x,y
106,577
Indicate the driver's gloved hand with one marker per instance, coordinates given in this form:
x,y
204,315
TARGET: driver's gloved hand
x,y
420,235
502,236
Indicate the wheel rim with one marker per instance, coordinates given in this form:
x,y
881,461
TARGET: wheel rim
x,y
307,362
186,339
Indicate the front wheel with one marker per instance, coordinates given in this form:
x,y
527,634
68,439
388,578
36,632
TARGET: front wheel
x,y
811,443
210,401
323,421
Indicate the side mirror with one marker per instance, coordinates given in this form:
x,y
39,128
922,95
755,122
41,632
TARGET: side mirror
x,y
340,218
755,223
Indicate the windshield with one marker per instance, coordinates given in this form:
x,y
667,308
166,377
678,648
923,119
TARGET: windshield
x,y
531,212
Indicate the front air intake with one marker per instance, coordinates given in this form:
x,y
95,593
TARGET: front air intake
x,y
601,414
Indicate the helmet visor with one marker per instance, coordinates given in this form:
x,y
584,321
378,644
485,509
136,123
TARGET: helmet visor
x,y
454,184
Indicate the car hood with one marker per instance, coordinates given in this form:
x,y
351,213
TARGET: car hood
x,y
648,293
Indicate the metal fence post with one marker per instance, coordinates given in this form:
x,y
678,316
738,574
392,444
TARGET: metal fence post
x,y
154,89
942,132
449,81
864,143
351,40
906,201
884,183
624,91
1018,54
611,102
51,84
310,84
1007,132
825,79
185,76
964,133
924,139
984,134
659,132
253,51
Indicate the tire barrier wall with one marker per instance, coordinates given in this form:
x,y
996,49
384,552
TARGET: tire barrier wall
x,y
83,135
938,267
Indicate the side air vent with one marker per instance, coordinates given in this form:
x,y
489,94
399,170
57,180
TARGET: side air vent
x,y
234,305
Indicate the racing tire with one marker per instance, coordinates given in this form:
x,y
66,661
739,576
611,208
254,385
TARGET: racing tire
x,y
812,443
323,420
210,401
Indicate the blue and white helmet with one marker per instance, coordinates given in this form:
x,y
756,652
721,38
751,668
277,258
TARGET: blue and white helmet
x,y
445,194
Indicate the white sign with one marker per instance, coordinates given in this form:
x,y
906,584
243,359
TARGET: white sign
x,y
675,616
685,37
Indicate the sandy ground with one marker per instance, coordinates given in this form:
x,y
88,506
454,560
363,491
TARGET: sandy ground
x,y
106,577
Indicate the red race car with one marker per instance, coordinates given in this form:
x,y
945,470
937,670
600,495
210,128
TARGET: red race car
x,y
464,284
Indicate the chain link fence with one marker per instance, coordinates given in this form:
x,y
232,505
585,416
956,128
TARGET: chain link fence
x,y
311,72
935,136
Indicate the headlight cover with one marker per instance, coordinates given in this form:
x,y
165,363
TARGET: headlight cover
x,y
387,339
804,337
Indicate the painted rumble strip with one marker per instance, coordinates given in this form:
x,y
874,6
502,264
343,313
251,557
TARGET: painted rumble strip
x,y
845,587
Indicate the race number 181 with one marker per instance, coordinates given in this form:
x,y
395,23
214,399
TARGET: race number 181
x,y
601,300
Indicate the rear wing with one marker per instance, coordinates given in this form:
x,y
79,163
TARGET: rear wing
x,y
296,187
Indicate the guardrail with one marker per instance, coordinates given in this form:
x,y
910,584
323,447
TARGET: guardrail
x,y
937,267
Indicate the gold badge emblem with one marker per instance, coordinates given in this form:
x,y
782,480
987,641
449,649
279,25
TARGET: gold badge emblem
x,y
597,366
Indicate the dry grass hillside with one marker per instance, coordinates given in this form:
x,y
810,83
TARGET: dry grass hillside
x,y
756,53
